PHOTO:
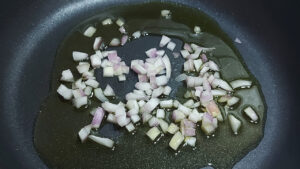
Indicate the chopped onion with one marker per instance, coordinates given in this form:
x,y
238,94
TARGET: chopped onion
x,y
163,125
173,128
99,95
92,83
97,43
195,116
88,90
150,105
222,84
234,123
95,61
122,30
89,32
213,108
165,13
184,53
135,96
107,21
176,140
181,77
166,104
137,66
109,107
213,66
177,116
111,118
237,40
67,76
197,64
191,141
103,141
204,58
232,101
209,124
143,86
160,52
84,132
197,29
171,46
108,72
97,119
204,69
124,39
65,92
193,81
160,113
135,118
251,113
146,117
130,127
141,103
136,34
158,91
153,133
79,56
83,67
115,42
151,53
153,122
161,80
164,41
108,91
167,90
190,103
187,128
240,84
218,92
184,109
188,47
80,101
120,22
167,64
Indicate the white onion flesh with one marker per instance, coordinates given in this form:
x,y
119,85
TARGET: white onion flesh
x,y
108,91
197,29
251,113
153,133
79,56
167,90
136,34
166,104
164,41
234,123
108,72
97,43
171,46
89,32
115,42
191,141
232,101
165,13
167,64
173,128
120,22
176,140
150,105
91,82
161,80
67,76
107,21
160,113
240,84
99,95
222,84
80,101
184,53
84,132
103,141
95,61
163,125
195,116
65,92
130,127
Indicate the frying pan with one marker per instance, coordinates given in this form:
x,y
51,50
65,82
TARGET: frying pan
x,y
32,30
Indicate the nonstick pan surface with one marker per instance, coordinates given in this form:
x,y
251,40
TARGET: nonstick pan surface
x,y
32,30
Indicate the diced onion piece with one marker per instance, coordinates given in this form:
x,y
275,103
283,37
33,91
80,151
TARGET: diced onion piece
x,y
137,67
160,113
136,34
213,66
190,103
195,116
89,32
176,103
251,113
146,117
111,118
197,64
115,42
184,53
234,123
237,40
164,41
65,92
79,56
99,95
84,132
151,53
79,84
80,101
163,125
110,107
204,69
173,128
92,83
122,78
120,22
240,84
218,92
95,61
160,52
176,140
177,116
143,86
171,46
67,76
232,101
184,109
108,91
130,127
166,103
222,84
165,13
97,43
88,90
153,122
181,77
124,39
83,67
197,29
167,90
153,133
192,81
187,128
108,72
103,141
135,118
189,65
209,124
150,105
191,141
161,80
167,64
141,103
107,21
97,119
188,47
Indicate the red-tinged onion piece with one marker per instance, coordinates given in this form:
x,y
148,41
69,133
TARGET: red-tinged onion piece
x,y
105,53
151,53
213,66
97,43
181,77
84,132
114,58
187,127
122,30
108,91
109,107
209,124
205,97
65,92
177,116
67,76
95,61
192,81
138,66
146,117
79,56
150,105
184,53
108,72
143,86
213,108
164,41
188,47
199,90
80,101
89,32
193,56
171,46
142,78
153,122
251,114
204,58
117,69
99,95
134,96
167,90
240,84
158,91
115,42
98,117
222,84
160,52
124,39
88,75
167,63
161,80
136,34
103,141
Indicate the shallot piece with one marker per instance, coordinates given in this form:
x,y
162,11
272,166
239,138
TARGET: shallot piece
x,y
79,56
89,32
99,95
84,132
65,92
136,34
251,113
150,105
108,91
107,21
153,133
171,46
103,141
209,124
164,41
187,128
124,39
122,30
222,84
67,76
234,123
95,61
197,29
176,140
188,47
151,53
240,84
115,42
166,13
120,22
80,101
98,117
97,43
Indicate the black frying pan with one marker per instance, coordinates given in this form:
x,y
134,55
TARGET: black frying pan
x,y
31,32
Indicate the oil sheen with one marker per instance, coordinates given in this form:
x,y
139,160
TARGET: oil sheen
x,y
57,125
